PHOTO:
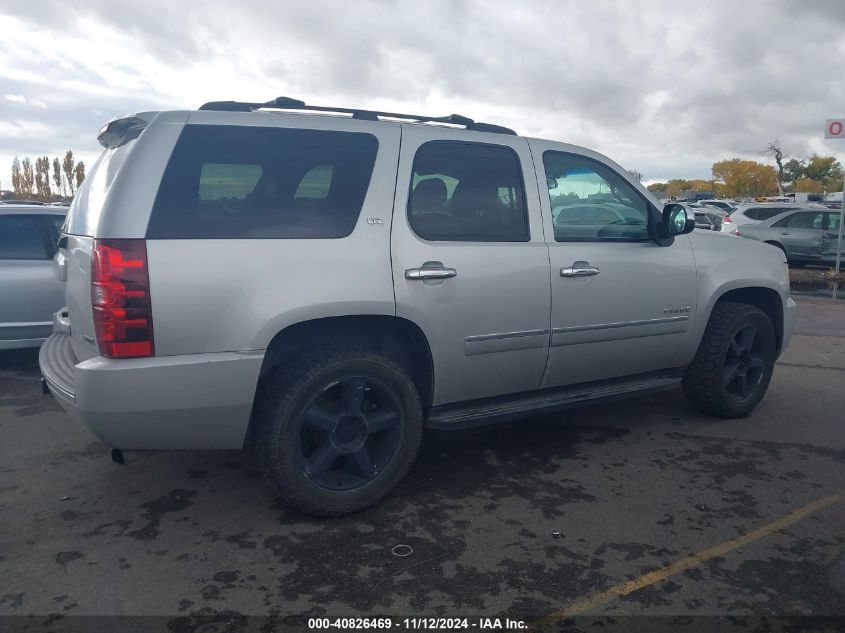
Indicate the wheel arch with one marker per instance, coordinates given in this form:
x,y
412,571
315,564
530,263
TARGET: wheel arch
x,y
397,338
767,299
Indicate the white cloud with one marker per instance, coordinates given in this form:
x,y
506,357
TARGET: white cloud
x,y
664,87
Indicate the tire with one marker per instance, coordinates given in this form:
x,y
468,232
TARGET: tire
x,y
714,381
336,429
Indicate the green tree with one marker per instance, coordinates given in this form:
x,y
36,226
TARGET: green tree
x,y
42,178
27,177
79,173
57,177
821,167
793,169
17,178
827,170
68,168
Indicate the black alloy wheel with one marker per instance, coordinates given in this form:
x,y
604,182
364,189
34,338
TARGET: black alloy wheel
x,y
744,363
348,432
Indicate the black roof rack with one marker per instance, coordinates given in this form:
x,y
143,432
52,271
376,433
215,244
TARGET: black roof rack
x,y
286,103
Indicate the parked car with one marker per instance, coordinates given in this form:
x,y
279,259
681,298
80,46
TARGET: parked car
x,y
750,213
725,205
807,236
28,286
326,286
37,203
706,217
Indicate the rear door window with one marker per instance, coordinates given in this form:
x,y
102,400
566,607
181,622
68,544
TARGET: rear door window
x,y
22,237
467,192
764,213
804,221
255,182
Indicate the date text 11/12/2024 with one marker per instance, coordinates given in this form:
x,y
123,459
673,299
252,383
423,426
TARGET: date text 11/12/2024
x,y
416,624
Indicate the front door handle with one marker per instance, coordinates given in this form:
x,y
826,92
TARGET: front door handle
x,y
431,272
579,269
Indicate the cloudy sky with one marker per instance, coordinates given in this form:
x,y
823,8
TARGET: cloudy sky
x,y
666,88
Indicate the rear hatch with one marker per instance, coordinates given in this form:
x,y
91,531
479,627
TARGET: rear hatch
x,y
74,257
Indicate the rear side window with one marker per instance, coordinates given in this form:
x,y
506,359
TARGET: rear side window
x,y
764,213
801,221
467,192
22,237
255,182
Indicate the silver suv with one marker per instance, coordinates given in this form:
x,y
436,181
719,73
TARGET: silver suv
x,y
29,291
322,283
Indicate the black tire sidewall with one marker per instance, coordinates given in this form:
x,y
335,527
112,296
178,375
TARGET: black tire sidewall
x,y
760,320
281,434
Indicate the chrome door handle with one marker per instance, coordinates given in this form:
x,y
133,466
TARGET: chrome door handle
x,y
439,272
579,269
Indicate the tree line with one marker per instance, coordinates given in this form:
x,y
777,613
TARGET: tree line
x,y
735,177
46,180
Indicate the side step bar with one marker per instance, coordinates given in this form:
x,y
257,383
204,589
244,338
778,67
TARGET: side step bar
x,y
504,408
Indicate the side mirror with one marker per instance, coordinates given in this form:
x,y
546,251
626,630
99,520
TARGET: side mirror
x,y
551,183
676,221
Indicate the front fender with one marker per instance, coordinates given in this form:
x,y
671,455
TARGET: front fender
x,y
726,263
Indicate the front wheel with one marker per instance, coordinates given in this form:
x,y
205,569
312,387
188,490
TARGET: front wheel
x,y
336,429
733,366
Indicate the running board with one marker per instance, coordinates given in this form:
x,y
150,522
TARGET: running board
x,y
503,408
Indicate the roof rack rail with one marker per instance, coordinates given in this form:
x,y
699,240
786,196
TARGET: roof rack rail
x,y
286,103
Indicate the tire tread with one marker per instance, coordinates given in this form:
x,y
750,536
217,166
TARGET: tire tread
x,y
702,380
276,401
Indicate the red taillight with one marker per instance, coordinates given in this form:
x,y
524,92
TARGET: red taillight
x,y
120,297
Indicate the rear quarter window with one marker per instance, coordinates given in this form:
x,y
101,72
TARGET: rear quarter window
x,y
253,182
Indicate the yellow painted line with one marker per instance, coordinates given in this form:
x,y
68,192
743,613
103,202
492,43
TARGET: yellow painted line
x,y
589,603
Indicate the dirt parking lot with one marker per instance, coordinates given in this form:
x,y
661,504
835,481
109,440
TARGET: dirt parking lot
x,y
637,507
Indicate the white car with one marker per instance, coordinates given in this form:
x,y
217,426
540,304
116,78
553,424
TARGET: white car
x,y
754,212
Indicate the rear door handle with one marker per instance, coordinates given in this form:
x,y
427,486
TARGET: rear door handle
x,y
579,269
430,272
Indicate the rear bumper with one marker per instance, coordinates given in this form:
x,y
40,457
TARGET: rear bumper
x,y
197,401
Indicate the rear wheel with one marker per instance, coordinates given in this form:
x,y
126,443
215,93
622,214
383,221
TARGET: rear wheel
x,y
336,429
733,366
